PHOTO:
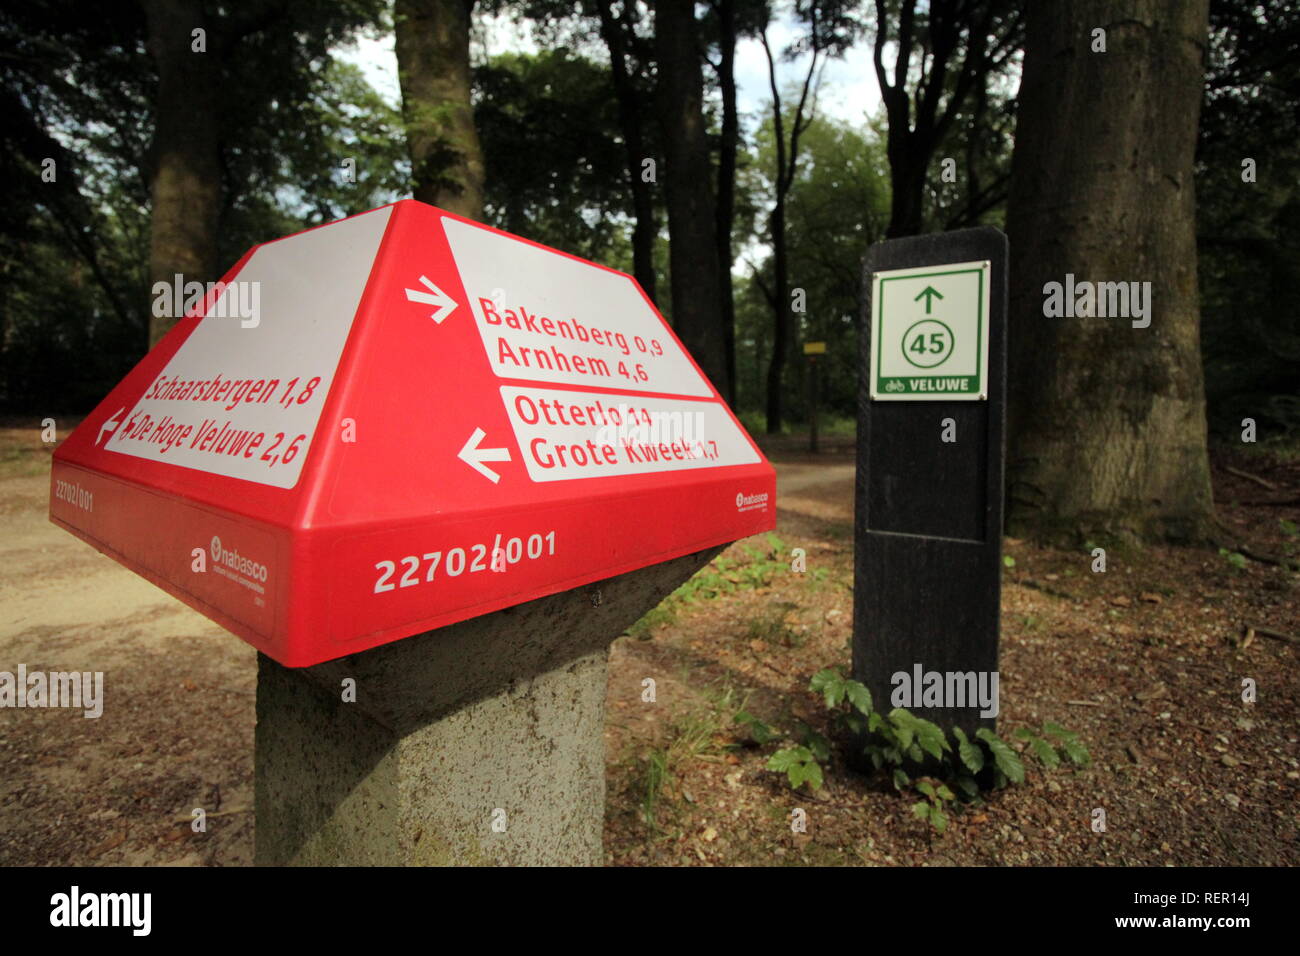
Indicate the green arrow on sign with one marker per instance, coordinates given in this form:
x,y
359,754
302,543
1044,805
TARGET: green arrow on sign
x,y
930,293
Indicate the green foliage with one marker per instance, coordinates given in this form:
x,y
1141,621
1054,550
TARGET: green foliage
x,y
556,170
799,765
916,753
816,743
930,810
972,757
833,686
723,575
837,207
1054,743
83,89
759,732
1069,743
1236,560
656,772
1004,758
1248,233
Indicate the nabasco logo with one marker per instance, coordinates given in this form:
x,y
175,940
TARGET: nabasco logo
x,y
232,564
746,502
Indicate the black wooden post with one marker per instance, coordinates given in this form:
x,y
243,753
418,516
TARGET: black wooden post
x,y
928,523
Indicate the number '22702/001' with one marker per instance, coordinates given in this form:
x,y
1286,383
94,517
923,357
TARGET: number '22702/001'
x,y
458,561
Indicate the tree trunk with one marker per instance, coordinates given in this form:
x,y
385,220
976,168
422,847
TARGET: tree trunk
x,y
185,157
782,326
958,46
787,165
726,209
693,251
631,117
433,69
1107,421
908,163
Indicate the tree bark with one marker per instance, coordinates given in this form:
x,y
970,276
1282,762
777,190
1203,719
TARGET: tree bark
x,y
185,158
688,177
432,41
1107,421
631,116
726,207
787,166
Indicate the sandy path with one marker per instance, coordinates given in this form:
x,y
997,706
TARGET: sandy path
x,y
177,728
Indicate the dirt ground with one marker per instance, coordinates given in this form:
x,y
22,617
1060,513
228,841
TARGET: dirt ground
x,y
1145,662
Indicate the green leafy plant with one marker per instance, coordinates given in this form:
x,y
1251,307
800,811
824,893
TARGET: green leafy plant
x,y
930,809
759,732
916,753
799,765
1052,743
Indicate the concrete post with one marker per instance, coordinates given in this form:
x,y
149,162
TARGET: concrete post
x,y
479,743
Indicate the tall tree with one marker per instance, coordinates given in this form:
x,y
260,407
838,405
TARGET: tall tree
x,y
728,143
838,207
1248,214
787,168
1107,420
185,175
627,69
954,46
688,181
563,106
432,41
226,77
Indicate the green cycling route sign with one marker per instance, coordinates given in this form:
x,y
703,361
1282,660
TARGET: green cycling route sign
x,y
929,333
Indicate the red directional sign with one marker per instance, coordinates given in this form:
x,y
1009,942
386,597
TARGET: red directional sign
x,y
419,420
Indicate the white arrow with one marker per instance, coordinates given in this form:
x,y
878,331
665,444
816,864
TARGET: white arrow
x,y
474,456
444,304
110,426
